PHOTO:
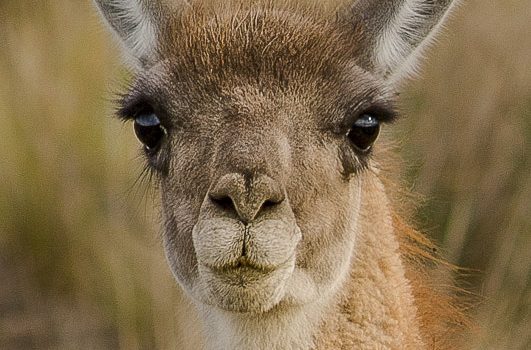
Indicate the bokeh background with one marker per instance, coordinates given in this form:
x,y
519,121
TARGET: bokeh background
x,y
80,262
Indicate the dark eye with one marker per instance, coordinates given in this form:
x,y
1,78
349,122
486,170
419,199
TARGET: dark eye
x,y
364,132
149,130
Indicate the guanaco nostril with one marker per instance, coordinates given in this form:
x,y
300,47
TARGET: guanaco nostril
x,y
224,202
245,199
269,204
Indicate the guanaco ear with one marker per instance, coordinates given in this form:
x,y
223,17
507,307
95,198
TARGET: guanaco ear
x,y
392,34
137,23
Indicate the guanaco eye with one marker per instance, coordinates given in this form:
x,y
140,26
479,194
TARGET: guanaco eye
x,y
149,131
364,132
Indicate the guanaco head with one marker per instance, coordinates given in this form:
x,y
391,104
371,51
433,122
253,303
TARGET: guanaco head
x,y
260,121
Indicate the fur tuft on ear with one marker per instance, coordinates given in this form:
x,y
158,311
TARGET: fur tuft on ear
x,y
137,23
393,33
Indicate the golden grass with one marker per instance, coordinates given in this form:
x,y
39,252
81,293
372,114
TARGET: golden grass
x,y
80,262
470,125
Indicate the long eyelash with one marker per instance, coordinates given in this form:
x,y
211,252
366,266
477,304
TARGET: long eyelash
x,y
131,106
143,187
142,195
384,109
385,112
123,111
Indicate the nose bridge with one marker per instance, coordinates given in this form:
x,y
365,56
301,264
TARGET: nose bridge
x,y
250,147
249,171
249,151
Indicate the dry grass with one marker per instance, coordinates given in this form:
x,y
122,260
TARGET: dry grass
x,y
79,260
470,125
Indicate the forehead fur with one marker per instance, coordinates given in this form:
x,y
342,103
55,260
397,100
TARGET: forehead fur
x,y
293,54
254,42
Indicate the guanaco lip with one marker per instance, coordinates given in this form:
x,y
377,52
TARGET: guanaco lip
x,y
245,264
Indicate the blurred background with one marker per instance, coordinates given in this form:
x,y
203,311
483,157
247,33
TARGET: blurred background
x,y
81,265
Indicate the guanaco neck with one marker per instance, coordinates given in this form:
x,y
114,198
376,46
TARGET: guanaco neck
x,y
375,309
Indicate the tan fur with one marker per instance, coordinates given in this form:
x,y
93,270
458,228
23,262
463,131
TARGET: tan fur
x,y
441,306
282,234
376,308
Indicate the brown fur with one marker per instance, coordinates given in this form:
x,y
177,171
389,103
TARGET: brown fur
x,y
254,44
258,98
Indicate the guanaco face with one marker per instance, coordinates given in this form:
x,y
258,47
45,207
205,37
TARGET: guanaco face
x,y
260,122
